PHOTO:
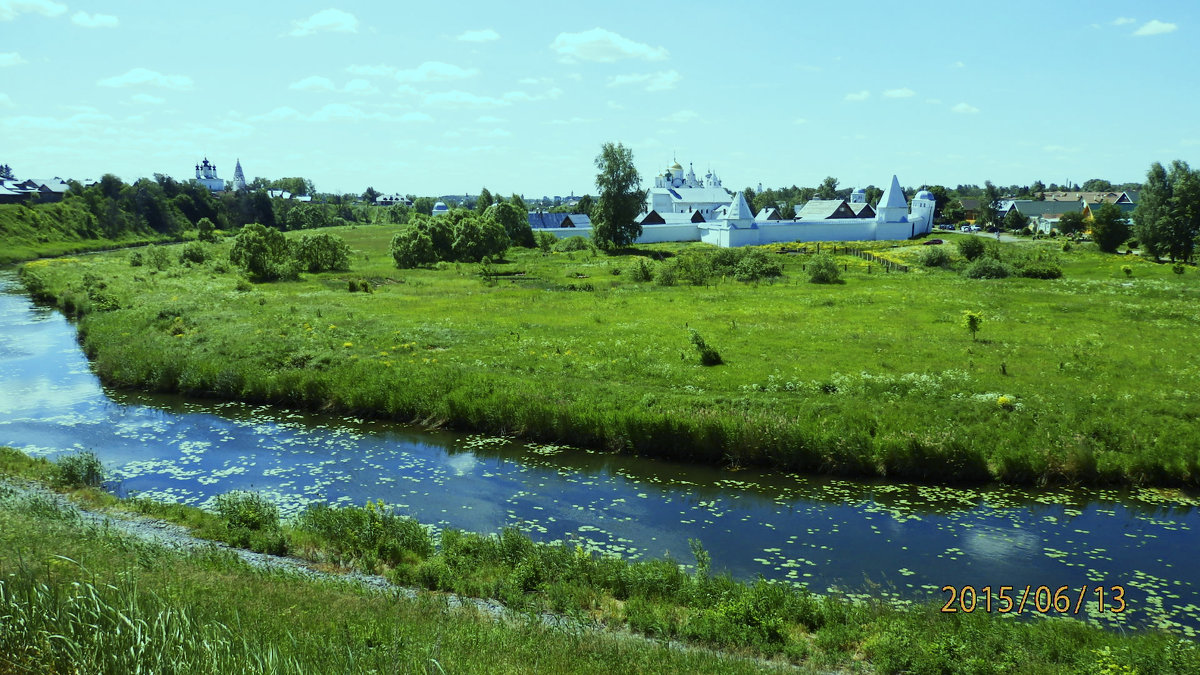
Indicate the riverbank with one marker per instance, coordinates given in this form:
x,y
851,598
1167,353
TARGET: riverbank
x,y
873,377
43,542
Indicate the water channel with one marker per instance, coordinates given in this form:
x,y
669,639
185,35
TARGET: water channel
x,y
901,540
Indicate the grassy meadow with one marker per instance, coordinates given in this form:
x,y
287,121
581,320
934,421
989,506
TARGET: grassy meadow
x,y
1089,378
61,579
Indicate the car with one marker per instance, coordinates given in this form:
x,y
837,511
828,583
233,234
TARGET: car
x,y
932,242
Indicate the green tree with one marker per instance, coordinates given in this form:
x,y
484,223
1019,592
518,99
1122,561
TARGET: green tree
x,y
989,204
264,253
412,247
518,200
477,238
423,205
515,222
6,172
941,198
485,200
321,251
953,213
972,321
828,188
1167,217
621,197
1109,227
1015,220
971,247
585,205
1070,223
370,195
1097,185
1039,191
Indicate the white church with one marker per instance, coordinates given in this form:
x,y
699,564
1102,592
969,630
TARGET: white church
x,y
683,208
206,175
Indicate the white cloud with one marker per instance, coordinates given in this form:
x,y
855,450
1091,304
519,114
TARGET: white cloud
x,y
358,86
489,119
343,111
10,59
435,71
524,97
5,101
965,109
94,20
485,35
11,9
148,99
334,20
371,71
1122,20
958,64
281,113
604,46
462,99
140,76
660,81
535,80
681,116
414,117
76,122
313,83
859,96
1155,27
903,92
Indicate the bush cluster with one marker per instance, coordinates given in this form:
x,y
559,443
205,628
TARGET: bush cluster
x,y
935,256
823,270
460,236
79,470
266,255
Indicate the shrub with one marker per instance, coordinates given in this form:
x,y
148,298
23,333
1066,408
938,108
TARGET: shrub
x,y
1127,270
971,247
545,241
641,270
243,286
1041,270
573,243
823,270
412,247
1177,268
1066,247
322,252
696,268
247,510
935,256
668,273
136,259
726,260
708,355
207,231
193,252
264,253
515,222
755,266
78,470
371,534
158,257
988,268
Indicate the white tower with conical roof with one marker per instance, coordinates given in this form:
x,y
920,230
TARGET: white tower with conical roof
x,y
893,207
239,178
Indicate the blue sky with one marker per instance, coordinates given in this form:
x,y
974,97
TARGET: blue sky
x,y
443,98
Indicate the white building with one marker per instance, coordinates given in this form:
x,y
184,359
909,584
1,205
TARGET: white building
x,y
440,209
239,178
673,192
206,175
733,223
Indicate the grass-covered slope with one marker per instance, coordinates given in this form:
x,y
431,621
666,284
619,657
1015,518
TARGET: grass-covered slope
x,y
48,230
1087,378
111,602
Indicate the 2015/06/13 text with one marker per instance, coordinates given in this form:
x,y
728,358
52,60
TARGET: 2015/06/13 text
x,y
1042,599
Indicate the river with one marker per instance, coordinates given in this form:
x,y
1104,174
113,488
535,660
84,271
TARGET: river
x,y
902,541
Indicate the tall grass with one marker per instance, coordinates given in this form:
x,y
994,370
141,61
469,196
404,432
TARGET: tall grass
x,y
881,379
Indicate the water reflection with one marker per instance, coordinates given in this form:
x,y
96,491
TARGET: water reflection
x,y
911,539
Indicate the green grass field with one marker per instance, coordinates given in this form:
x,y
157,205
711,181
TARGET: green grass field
x,y
1090,378
78,598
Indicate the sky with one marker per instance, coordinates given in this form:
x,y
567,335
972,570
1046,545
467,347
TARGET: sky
x,y
446,98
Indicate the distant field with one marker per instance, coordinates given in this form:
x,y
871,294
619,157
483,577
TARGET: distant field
x,y
1090,378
